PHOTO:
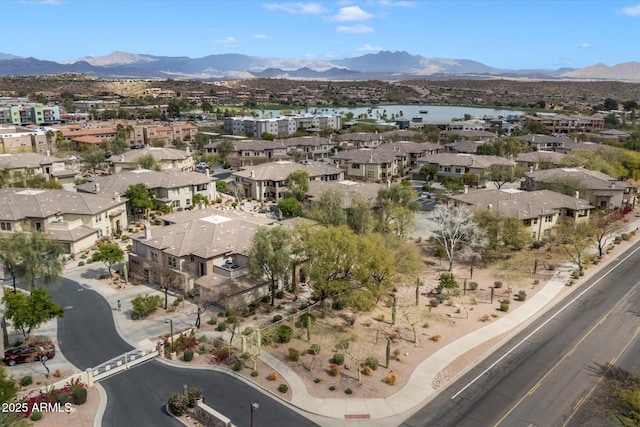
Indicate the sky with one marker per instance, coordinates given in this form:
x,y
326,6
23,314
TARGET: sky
x,y
514,34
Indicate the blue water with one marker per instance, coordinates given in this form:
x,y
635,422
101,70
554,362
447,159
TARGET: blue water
x,y
437,113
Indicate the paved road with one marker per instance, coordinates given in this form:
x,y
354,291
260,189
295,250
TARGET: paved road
x,y
138,398
86,334
538,377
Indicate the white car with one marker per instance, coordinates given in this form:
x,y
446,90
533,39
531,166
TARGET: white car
x,y
202,165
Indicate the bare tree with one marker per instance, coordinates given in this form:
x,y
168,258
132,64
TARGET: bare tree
x,y
455,228
605,227
167,278
201,303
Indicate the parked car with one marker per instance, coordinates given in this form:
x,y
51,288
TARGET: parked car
x,y
202,165
41,351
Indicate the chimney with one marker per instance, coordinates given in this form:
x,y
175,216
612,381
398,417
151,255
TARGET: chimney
x,y
116,196
48,153
388,184
466,189
613,184
147,231
201,204
530,168
253,174
577,194
96,188
188,149
206,171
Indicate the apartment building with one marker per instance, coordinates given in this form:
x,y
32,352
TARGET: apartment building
x,y
562,123
20,112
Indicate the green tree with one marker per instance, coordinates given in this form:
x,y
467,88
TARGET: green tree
x,y
429,172
290,207
297,184
448,282
501,174
8,390
200,141
28,312
119,146
328,209
109,254
224,148
197,198
38,257
503,233
538,128
359,214
452,184
140,198
574,239
93,157
397,208
270,255
605,227
610,104
148,162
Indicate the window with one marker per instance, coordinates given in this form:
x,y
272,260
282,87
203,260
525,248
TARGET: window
x,y
527,222
201,187
172,262
5,226
458,170
154,256
548,218
98,217
447,169
535,220
175,203
355,166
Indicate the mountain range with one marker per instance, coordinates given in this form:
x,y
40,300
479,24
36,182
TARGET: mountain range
x,y
384,65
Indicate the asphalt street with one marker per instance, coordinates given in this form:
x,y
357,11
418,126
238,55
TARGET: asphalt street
x,y
86,334
138,398
538,377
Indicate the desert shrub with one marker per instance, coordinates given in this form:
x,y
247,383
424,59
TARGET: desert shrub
x,y
391,378
472,286
212,321
294,355
536,282
317,380
188,355
441,297
436,337
504,307
307,318
79,396
314,349
505,301
35,416
371,362
273,375
332,388
178,404
396,352
283,388
537,244
285,333
63,397
144,305
222,326
497,285
617,240
232,319
521,296
366,369
74,385
485,318
434,302
237,366
334,370
338,358
81,263
348,391
26,380
266,299
254,373
280,294
277,318
193,394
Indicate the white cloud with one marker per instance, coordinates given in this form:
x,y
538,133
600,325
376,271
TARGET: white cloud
x,y
631,11
227,42
369,48
390,3
297,8
260,36
355,29
50,2
586,45
352,13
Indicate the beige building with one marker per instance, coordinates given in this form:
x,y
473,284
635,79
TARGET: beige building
x,y
167,158
539,211
21,165
266,181
73,219
208,248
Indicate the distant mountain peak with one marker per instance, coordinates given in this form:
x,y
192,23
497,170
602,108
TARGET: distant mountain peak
x,y
114,58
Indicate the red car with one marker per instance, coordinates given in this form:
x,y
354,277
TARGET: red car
x,y
29,353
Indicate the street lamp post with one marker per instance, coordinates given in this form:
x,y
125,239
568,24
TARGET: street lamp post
x,y
253,407
170,322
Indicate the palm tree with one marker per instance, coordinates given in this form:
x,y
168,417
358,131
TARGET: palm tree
x,y
128,131
50,134
31,256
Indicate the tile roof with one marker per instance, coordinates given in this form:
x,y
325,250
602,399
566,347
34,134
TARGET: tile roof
x,y
467,160
280,170
521,204
26,160
121,181
591,180
158,153
206,233
348,188
365,155
19,203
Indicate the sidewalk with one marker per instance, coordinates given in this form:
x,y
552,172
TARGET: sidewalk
x,y
418,391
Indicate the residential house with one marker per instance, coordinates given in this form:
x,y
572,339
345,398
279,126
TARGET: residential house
x,y
309,147
408,153
561,123
207,247
75,220
539,142
266,181
16,139
598,188
168,133
21,165
348,189
455,135
457,165
535,160
167,158
171,188
539,211
368,165
250,152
